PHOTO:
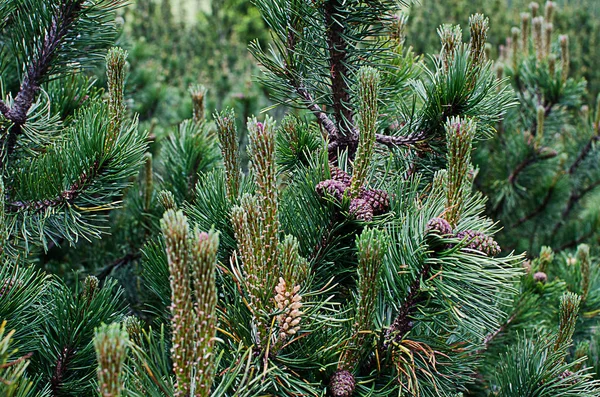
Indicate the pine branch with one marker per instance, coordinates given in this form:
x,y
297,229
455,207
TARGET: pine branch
x,y
392,141
542,153
585,151
574,198
35,72
540,208
61,368
67,196
402,323
337,46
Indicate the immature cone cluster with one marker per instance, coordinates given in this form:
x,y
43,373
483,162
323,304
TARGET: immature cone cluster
x,y
289,303
478,241
110,343
438,226
540,277
368,203
342,384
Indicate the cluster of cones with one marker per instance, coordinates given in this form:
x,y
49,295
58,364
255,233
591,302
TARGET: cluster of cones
x,y
473,239
369,202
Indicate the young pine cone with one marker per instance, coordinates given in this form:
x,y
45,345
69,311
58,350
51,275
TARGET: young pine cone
x,y
540,277
361,209
331,187
438,226
378,199
478,241
340,175
342,384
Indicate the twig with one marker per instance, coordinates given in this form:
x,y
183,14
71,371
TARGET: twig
x,y
36,70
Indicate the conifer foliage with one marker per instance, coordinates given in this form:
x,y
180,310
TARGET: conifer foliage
x,y
354,258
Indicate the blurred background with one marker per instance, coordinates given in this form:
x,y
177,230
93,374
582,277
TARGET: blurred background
x,y
173,44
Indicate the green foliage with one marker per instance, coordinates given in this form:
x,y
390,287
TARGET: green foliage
x,y
353,258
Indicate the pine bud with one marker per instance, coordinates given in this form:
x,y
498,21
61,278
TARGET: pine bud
x,y
167,200
438,226
176,232
368,112
537,38
228,140
515,32
451,37
583,257
134,328
90,287
479,26
525,33
398,29
361,210
549,11
552,65
459,136
540,277
564,56
548,29
499,71
539,133
545,259
342,384
569,308
115,73
534,8
148,181
198,93
110,343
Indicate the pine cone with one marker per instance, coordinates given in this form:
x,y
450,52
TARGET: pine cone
x,y
378,199
331,187
361,209
568,374
342,384
438,226
540,277
340,175
480,242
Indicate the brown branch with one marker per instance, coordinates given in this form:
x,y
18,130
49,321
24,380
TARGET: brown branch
x,y
574,198
542,153
61,364
37,69
65,197
538,210
491,336
585,151
321,116
337,47
403,323
392,141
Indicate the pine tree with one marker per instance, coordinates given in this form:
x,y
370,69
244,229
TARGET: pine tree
x,y
353,259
